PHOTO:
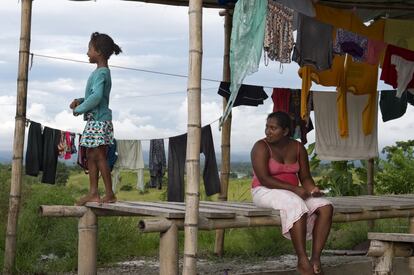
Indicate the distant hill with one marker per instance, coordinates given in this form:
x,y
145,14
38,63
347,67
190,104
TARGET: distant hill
x,y
6,156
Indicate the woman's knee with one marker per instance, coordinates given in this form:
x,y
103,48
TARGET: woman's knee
x,y
326,211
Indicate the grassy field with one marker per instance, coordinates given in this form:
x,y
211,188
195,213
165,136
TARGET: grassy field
x,y
49,245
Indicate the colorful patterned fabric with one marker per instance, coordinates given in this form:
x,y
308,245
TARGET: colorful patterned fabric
x,y
278,40
97,133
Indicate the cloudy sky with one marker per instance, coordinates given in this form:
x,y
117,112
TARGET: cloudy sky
x,y
145,106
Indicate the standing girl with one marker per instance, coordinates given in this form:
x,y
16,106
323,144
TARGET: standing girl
x,y
98,133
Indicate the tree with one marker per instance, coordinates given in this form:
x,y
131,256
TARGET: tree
x,y
396,173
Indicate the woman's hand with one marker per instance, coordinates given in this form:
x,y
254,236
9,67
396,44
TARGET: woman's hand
x,y
301,192
74,104
316,192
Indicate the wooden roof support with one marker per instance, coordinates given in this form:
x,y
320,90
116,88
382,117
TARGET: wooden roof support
x,y
18,140
192,195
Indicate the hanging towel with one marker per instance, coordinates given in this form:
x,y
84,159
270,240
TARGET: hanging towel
x,y
281,99
246,44
329,144
248,95
129,158
176,165
34,150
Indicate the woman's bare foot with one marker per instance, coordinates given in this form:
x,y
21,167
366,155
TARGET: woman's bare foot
x,y
317,267
88,198
305,267
108,199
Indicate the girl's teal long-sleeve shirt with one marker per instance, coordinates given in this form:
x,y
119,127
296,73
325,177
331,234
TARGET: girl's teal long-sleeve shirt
x,y
96,100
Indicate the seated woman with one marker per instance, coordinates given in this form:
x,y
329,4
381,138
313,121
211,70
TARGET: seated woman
x,y
279,165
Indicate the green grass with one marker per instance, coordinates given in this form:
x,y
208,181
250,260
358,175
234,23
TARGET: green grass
x,y
119,238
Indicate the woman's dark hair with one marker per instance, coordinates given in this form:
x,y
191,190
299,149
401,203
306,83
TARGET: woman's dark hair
x,y
283,119
104,44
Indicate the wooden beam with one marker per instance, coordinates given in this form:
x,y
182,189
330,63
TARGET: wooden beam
x,y
18,140
374,5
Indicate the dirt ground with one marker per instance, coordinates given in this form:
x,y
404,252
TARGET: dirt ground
x,y
224,266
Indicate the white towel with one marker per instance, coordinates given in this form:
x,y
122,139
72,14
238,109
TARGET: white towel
x,y
129,158
329,144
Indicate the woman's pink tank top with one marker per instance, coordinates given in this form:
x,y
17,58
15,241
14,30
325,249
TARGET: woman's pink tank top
x,y
281,171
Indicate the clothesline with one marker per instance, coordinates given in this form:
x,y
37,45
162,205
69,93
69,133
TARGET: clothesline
x,y
144,139
125,68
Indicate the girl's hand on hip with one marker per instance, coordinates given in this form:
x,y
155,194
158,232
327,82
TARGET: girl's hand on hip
x,y
74,104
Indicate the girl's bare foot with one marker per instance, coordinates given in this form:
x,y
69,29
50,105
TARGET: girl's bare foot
x,y
305,267
108,199
317,267
88,198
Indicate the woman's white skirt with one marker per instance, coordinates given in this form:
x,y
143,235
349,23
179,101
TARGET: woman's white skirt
x,y
291,207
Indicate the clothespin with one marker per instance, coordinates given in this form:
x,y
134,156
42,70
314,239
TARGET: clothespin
x,y
26,123
31,60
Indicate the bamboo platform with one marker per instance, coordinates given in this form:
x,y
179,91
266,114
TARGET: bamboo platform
x,y
167,218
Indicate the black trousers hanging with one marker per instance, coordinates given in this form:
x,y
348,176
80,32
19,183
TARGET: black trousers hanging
x,y
34,150
177,149
51,139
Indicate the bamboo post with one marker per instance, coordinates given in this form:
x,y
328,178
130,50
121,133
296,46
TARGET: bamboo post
x,y
411,259
370,186
169,251
225,131
18,140
87,246
192,195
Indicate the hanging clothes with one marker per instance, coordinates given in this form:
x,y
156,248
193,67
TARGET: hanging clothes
x,y
399,33
329,145
112,155
392,107
51,139
82,160
176,164
328,78
157,162
375,52
390,73
313,43
311,35
246,44
288,100
34,150
278,40
248,95
348,20
301,6
129,158
359,79
347,42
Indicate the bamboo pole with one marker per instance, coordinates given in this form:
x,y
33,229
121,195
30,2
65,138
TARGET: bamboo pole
x,y
169,251
87,246
18,140
192,195
370,185
225,131
162,224
411,259
62,211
